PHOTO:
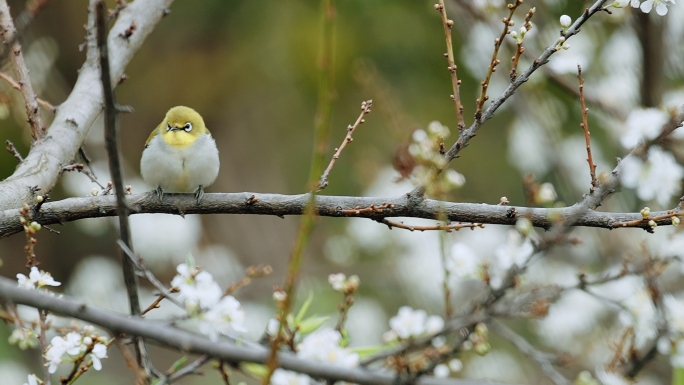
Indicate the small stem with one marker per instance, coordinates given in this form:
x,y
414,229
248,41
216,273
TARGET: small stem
x,y
494,62
13,83
365,109
438,227
455,83
13,150
585,127
42,316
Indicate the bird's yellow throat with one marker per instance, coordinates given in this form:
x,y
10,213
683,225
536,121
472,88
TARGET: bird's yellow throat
x,y
178,138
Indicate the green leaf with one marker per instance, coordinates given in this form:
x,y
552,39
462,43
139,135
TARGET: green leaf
x,y
179,364
258,370
190,261
312,323
367,351
304,309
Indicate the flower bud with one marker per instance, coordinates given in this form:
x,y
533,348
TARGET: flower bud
x,y
675,221
645,212
35,226
565,21
39,199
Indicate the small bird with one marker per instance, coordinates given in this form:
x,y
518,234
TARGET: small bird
x,y
180,156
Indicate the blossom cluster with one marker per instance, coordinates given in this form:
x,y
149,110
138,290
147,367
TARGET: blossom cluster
x,y
204,300
427,149
645,6
323,345
75,345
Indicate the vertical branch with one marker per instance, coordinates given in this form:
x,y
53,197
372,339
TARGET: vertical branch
x,y
494,62
447,274
326,94
585,127
112,144
455,83
42,317
650,33
38,129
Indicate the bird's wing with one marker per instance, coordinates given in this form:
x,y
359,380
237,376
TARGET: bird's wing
x,y
152,135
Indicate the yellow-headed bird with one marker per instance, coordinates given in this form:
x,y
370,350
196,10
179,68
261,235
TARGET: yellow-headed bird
x,y
180,156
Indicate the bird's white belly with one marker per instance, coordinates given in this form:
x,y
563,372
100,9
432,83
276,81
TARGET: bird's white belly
x,y
180,170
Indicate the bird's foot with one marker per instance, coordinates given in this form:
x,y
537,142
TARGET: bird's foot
x,y
199,194
160,193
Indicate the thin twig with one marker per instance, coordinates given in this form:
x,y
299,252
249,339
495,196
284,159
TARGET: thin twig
x,y
321,131
519,50
546,361
140,266
494,62
13,150
140,373
192,368
585,127
455,83
112,145
38,129
45,104
437,227
365,109
42,316
80,168
252,272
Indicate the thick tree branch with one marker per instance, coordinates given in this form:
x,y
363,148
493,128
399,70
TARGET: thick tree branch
x,y
191,343
76,115
38,129
73,209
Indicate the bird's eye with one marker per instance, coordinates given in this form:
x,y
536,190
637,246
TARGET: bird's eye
x,y
187,127
168,126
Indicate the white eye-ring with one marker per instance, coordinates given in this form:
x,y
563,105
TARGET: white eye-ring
x,y
168,126
187,127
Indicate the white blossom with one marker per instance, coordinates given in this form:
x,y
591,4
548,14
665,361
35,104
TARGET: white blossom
x,y
516,251
658,178
223,317
674,314
619,3
547,193
286,377
32,380
643,317
323,345
197,290
337,281
99,351
23,337
434,324
462,261
408,322
610,378
647,6
36,279
455,365
442,371
643,124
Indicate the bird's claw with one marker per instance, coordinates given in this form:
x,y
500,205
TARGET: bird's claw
x,y
160,193
199,194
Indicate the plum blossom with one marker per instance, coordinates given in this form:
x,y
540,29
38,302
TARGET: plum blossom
x,y
286,377
658,178
221,318
648,5
643,124
23,337
99,351
323,345
610,378
410,323
516,251
642,316
36,279
462,261
197,290
674,314
32,380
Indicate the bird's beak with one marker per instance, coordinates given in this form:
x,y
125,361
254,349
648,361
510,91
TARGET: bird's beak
x,y
174,128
